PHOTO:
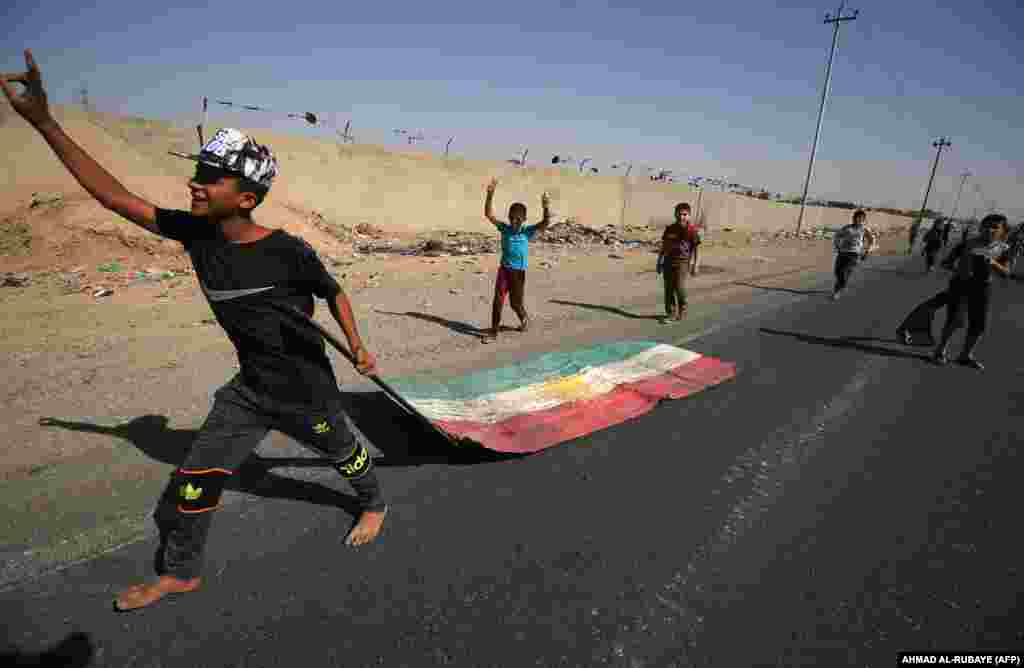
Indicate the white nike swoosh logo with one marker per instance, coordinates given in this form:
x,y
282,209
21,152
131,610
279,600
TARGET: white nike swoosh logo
x,y
225,295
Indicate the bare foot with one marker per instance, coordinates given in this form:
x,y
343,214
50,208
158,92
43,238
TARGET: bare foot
x,y
367,528
149,593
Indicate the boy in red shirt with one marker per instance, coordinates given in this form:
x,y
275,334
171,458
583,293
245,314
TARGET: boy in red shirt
x,y
678,258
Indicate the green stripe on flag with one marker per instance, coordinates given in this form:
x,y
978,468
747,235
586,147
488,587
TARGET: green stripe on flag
x,y
533,370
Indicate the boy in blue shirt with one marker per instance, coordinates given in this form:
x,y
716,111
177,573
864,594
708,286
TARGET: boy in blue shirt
x,y
515,246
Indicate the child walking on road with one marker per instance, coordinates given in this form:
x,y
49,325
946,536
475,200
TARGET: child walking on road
x,y
515,248
970,290
973,263
852,244
286,381
932,245
680,245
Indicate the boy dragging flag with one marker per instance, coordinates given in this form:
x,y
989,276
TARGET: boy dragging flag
x,y
246,271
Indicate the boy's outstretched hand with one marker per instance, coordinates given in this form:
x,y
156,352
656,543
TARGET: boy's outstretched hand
x,y
545,199
492,185
31,104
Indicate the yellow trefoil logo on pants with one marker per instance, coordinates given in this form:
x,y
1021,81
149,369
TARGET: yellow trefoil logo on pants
x,y
322,427
190,493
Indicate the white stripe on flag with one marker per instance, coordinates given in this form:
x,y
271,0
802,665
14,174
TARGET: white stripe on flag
x,y
589,383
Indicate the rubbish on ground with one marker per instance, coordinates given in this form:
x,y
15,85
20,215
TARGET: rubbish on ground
x,y
20,280
110,267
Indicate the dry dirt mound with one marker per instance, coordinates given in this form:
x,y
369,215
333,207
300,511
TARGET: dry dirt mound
x,y
327,192
48,223
27,165
75,235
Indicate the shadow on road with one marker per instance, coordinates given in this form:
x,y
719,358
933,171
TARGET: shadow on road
x,y
852,342
454,325
400,438
907,273
75,651
809,293
407,444
607,309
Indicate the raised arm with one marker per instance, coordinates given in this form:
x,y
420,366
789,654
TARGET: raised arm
x,y
489,203
107,190
545,205
871,237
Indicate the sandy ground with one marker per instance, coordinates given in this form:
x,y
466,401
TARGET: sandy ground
x,y
130,376
111,330
153,347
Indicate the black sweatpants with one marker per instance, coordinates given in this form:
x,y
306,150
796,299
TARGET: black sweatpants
x,y
239,420
845,263
960,298
971,298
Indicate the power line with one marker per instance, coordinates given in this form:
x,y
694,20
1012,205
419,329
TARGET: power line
x,y
836,21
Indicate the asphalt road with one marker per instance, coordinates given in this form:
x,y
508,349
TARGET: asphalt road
x,y
840,501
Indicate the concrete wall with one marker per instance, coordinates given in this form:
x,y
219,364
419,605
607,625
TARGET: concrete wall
x,y
402,192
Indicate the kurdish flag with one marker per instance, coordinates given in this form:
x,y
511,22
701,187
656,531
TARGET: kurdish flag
x,y
552,398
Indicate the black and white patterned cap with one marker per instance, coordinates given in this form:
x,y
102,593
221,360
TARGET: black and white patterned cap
x,y
235,152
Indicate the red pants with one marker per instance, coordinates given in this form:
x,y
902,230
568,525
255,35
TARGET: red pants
x,y
512,283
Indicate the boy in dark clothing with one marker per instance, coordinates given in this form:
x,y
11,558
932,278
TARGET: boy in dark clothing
x,y
515,248
973,263
286,381
932,244
680,244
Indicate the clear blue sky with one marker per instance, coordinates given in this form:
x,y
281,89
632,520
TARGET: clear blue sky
x,y
713,88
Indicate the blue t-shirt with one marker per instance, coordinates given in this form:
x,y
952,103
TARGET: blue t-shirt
x,y
515,245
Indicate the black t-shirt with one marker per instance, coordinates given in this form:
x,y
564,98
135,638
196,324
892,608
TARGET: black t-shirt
x,y
278,356
970,260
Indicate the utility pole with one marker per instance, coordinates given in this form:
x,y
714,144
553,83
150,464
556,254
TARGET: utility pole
x,y
939,144
625,192
346,136
956,204
836,21
83,98
446,146
202,123
700,197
